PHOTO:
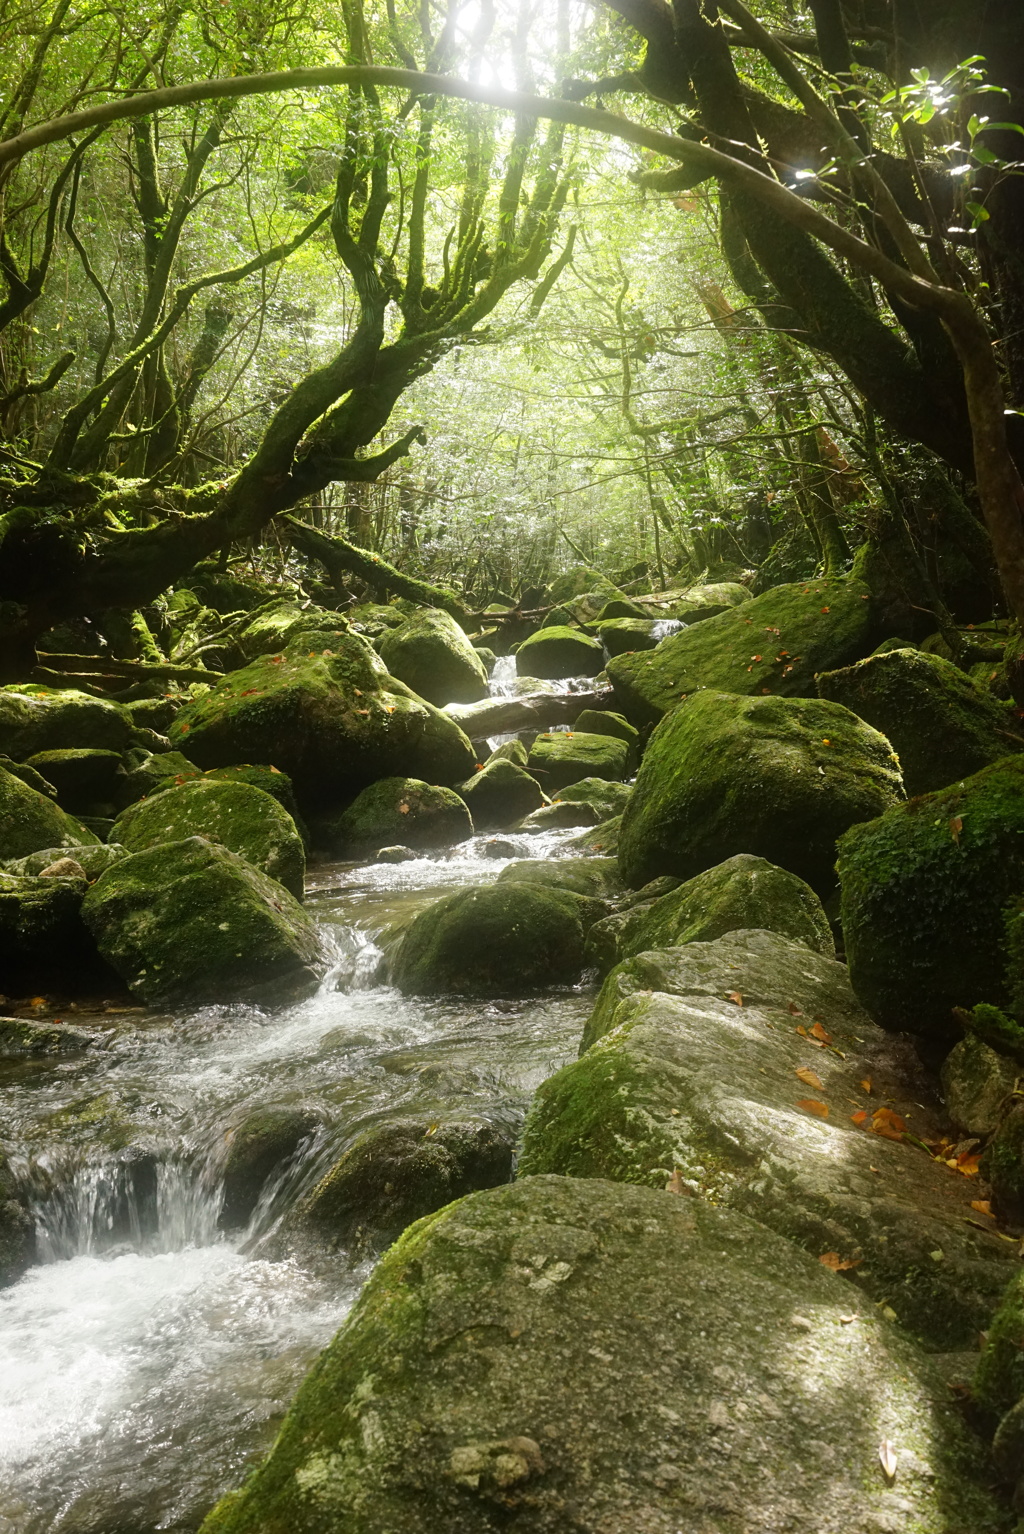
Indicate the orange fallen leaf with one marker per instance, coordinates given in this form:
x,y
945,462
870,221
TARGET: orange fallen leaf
x,y
859,1116
809,1077
801,1030
403,809
839,1264
956,825
37,1001
794,1010
810,1105
866,1084
983,1206
888,1124
737,997
887,1459
818,1032
968,1165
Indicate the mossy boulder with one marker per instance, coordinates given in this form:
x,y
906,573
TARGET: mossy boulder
x,y
773,644
242,818
86,781
34,719
256,1147
579,1355
780,778
29,775
943,726
400,1170
1003,1166
43,940
431,654
977,1084
926,889
605,721
29,821
22,1038
999,1378
499,940
602,838
695,604
509,751
557,652
742,892
501,794
597,877
275,628
190,922
93,860
151,775
334,721
272,781
564,757
624,636
17,1227
404,810
692,1064
586,803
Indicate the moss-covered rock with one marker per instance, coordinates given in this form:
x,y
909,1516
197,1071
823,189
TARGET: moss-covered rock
x,y
85,781
605,721
272,781
565,1355
1003,1166
695,604
43,940
29,821
190,922
400,1170
274,628
334,721
774,643
17,1227
625,636
431,654
28,775
925,893
781,778
34,719
20,1037
501,794
977,1083
254,1148
564,757
742,892
242,818
999,1378
597,877
93,860
397,810
151,775
559,651
679,1073
509,751
502,939
942,725
153,713
602,838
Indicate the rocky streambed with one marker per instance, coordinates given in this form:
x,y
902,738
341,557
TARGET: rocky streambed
x,y
150,1353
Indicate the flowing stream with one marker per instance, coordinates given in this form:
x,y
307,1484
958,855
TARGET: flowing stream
x,y
148,1357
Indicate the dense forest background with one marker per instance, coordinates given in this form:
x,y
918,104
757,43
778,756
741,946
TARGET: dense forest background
x,y
746,294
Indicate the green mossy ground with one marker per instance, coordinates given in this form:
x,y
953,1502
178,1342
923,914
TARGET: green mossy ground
x,y
780,778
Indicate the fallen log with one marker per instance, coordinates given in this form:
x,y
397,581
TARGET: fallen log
x,y
98,666
337,554
534,711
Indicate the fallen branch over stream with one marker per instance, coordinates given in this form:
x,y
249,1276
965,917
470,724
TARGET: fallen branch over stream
x,y
535,711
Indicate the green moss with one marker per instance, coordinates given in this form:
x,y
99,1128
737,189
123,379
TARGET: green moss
x,y
773,643
925,891
598,877
273,629
994,1028
1003,1166
270,779
942,725
780,778
398,810
334,721
35,718
190,922
502,792
602,838
238,816
601,721
432,655
999,1378
153,774
559,759
625,636
29,821
559,651
498,940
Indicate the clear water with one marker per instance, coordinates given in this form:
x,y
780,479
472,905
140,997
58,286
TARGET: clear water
x,y
148,1358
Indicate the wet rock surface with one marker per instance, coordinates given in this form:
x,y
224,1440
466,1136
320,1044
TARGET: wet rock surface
x,y
727,1375
692,1063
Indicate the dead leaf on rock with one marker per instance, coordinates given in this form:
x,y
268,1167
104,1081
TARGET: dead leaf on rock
x,y
983,1206
888,1460
675,1184
809,1078
403,809
887,1124
859,1117
818,1032
794,1010
866,1084
968,1166
956,825
839,1264
736,996
811,1105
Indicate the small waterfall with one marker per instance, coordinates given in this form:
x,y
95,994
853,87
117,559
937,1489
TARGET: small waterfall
x,y
503,677
664,628
136,1202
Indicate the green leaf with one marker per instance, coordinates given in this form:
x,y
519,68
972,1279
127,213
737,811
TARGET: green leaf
x,y
985,156
979,213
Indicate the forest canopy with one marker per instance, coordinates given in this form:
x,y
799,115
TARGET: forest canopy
x,y
507,288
